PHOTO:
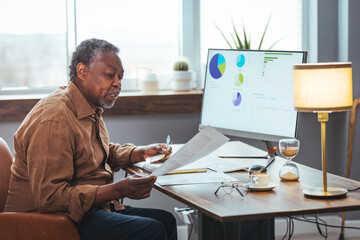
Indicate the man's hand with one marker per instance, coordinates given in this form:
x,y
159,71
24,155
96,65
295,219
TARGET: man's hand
x,y
135,187
141,153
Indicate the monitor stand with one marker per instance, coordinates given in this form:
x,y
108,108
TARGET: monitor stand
x,y
271,150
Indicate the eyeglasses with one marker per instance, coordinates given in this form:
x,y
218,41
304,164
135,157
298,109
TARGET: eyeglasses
x,y
229,186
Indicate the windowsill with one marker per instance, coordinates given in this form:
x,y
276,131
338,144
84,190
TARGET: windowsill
x,y
16,107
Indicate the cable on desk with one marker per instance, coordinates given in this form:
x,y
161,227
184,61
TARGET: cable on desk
x,y
191,228
287,228
355,189
291,227
314,220
317,219
321,222
332,226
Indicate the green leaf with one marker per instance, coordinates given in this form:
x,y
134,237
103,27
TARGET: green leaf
x,y
223,36
275,43
236,45
240,45
266,27
246,42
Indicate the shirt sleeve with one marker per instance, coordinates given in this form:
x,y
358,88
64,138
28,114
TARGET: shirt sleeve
x,y
50,161
119,155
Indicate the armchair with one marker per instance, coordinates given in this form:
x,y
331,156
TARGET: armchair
x,y
29,226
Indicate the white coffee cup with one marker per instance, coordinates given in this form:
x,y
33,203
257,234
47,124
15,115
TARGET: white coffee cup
x,y
260,179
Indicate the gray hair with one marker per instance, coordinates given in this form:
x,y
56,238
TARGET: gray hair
x,y
86,53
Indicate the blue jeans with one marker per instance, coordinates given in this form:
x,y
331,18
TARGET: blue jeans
x,y
131,223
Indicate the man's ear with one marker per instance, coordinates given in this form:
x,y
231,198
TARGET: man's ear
x,y
82,70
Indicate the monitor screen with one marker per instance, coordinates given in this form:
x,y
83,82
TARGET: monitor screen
x,y
249,93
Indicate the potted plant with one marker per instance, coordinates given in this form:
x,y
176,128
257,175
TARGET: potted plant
x,y
182,76
245,43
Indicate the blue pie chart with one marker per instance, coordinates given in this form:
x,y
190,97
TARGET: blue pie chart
x,y
217,66
240,60
236,99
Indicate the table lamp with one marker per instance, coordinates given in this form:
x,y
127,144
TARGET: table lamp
x,y
323,88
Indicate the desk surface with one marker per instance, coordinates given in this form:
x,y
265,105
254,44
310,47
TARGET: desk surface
x,y
286,199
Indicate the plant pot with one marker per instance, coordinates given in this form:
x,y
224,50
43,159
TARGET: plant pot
x,y
150,83
182,81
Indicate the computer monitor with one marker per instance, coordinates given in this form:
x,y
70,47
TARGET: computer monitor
x,y
249,93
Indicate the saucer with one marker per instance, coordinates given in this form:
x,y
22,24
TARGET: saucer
x,y
252,187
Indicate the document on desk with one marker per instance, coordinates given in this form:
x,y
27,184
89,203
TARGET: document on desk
x,y
201,145
193,178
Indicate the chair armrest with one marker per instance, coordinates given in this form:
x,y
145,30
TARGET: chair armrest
x,y
32,226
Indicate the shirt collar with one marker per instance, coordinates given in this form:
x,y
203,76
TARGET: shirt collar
x,y
82,107
99,111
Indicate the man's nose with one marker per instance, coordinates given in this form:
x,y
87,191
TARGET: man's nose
x,y
117,83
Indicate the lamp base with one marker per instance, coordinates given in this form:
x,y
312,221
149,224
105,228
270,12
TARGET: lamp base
x,y
332,192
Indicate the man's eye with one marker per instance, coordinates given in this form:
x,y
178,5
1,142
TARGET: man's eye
x,y
110,75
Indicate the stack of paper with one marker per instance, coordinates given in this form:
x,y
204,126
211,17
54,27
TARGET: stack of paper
x,y
202,144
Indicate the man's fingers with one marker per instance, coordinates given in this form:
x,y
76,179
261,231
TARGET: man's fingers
x,y
169,150
140,193
163,147
139,180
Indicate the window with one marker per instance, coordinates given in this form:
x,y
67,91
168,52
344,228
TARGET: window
x,y
285,23
32,44
35,43
146,32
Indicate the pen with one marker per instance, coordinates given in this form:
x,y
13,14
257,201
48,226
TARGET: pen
x,y
189,171
242,156
271,160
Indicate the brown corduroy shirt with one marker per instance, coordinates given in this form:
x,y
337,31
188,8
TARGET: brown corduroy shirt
x,y
62,154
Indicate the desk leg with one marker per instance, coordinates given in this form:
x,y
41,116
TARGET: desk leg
x,y
210,229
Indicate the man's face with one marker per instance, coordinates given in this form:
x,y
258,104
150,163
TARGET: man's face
x,y
102,83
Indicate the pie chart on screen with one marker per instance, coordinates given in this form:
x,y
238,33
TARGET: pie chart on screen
x,y
240,60
217,66
236,99
239,79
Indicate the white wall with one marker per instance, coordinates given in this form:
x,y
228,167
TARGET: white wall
x,y
336,39
353,53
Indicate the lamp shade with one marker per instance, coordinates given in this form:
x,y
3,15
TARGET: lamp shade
x,y
323,87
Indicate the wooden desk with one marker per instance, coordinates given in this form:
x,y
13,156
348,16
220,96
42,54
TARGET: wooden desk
x,y
286,199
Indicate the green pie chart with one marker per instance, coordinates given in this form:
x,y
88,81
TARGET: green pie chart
x,y
239,79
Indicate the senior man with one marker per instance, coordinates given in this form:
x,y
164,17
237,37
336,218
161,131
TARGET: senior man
x,y
64,162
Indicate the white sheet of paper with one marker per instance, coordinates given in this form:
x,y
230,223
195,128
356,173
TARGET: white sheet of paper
x,y
202,144
193,178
